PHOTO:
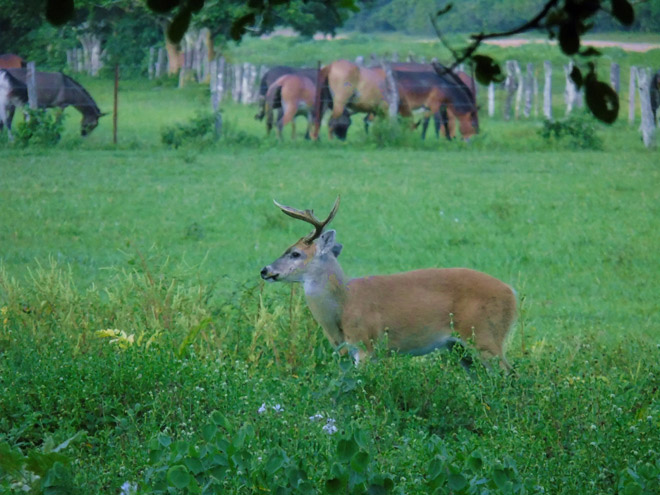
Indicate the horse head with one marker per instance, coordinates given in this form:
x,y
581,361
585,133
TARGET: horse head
x,y
89,122
339,126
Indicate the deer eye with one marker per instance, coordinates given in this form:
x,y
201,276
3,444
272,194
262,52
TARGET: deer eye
x,y
295,254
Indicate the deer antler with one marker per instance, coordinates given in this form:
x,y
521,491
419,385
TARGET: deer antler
x,y
308,216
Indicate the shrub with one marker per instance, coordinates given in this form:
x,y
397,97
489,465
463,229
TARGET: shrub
x,y
577,131
40,128
200,130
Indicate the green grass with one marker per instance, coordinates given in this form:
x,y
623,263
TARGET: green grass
x,y
166,245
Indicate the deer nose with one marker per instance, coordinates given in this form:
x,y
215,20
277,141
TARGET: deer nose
x,y
264,272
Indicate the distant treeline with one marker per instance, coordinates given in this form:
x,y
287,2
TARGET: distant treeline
x,y
473,16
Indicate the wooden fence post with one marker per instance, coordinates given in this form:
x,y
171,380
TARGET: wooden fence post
x,y
644,87
151,64
571,91
528,90
491,99
510,86
391,91
31,77
547,90
615,77
631,94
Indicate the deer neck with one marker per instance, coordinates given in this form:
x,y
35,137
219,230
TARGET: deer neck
x,y
325,292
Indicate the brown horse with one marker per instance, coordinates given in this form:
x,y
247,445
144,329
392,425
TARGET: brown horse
x,y
54,90
347,86
432,91
11,61
441,119
293,95
272,75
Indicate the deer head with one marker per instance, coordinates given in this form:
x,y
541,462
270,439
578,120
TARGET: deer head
x,y
310,250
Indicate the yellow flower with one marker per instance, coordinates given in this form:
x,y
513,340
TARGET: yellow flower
x,y
119,337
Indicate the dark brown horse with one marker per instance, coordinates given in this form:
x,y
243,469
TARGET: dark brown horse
x,y
272,75
11,61
441,119
292,95
437,89
54,90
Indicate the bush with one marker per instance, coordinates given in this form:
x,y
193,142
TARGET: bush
x,y
198,130
40,128
577,131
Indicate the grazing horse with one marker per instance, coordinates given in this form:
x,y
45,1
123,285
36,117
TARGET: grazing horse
x,y
432,91
655,95
271,76
347,86
54,90
292,94
11,61
441,119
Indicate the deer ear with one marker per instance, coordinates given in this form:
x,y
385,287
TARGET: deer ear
x,y
326,242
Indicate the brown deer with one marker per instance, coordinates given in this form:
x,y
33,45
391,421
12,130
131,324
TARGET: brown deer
x,y
418,310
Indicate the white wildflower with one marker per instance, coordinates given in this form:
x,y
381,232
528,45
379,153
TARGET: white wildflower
x,y
316,417
278,408
330,427
128,488
262,409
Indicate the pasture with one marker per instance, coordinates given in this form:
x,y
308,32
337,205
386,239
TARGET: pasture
x,y
220,383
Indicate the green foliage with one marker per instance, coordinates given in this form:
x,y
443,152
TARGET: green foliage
x,y
198,131
42,471
41,128
577,131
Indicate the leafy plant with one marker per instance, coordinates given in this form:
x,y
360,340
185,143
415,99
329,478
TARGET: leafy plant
x,y
40,128
41,471
198,130
578,131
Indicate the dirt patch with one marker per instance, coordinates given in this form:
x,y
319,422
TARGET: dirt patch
x,y
626,46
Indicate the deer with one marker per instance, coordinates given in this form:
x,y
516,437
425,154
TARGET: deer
x,y
416,312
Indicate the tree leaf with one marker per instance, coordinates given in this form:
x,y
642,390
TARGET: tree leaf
x,y
59,11
179,25
569,38
601,100
623,11
486,70
162,6
240,25
576,76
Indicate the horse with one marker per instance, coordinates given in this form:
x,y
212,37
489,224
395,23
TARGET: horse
x,y
11,61
432,91
655,95
346,86
441,119
271,76
54,90
293,95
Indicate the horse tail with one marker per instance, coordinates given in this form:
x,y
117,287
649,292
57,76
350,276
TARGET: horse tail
x,y
272,100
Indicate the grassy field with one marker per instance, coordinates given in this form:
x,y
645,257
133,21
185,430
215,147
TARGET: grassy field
x,y
221,384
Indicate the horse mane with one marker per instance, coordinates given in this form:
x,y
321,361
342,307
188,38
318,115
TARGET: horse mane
x,y
79,86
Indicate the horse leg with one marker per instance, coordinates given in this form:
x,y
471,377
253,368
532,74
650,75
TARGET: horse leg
x,y
437,124
288,115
